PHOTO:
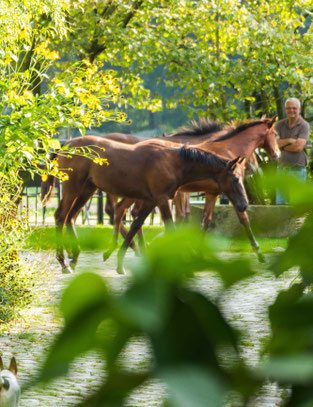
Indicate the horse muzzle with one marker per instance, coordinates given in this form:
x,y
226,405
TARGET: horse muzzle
x,y
276,156
242,207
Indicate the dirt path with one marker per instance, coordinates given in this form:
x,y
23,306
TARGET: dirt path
x,y
29,338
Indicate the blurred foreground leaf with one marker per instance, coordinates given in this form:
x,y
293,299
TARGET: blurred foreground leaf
x,y
297,369
194,348
84,306
181,253
193,386
298,194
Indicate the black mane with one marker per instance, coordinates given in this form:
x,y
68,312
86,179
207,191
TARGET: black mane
x,y
202,128
200,156
241,127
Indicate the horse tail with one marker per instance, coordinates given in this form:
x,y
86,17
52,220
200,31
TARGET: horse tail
x,y
47,186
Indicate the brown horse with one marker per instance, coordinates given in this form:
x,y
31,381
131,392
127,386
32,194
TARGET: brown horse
x,y
241,140
117,209
181,199
148,171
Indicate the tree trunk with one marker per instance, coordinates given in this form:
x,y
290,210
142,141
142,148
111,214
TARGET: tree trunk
x,y
247,108
279,104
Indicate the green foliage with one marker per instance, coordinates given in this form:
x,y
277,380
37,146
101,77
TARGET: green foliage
x,y
225,59
98,238
177,320
17,278
290,346
195,350
38,95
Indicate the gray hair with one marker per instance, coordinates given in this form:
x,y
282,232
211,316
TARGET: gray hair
x,y
294,100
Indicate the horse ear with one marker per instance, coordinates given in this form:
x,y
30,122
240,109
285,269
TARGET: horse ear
x,y
13,366
274,120
1,363
232,164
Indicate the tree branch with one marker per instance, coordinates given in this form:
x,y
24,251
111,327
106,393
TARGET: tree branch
x,y
131,14
96,48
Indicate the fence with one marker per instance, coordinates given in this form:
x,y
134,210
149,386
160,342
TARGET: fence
x,y
92,214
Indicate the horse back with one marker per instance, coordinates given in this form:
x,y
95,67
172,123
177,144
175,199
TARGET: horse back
x,y
122,138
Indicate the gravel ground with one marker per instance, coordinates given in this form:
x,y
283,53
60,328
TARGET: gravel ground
x,y
28,338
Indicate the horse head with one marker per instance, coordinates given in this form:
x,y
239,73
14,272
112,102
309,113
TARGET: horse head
x,y
231,182
270,142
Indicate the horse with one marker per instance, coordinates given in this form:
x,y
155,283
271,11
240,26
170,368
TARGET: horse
x,y
181,199
242,139
149,171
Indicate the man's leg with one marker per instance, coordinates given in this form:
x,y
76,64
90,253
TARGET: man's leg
x,y
280,197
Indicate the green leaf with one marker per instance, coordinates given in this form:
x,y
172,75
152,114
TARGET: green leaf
x,y
54,143
76,338
291,369
92,290
190,386
84,306
145,305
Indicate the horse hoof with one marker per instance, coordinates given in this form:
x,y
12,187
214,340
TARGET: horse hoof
x,y
67,270
72,265
121,270
106,255
261,258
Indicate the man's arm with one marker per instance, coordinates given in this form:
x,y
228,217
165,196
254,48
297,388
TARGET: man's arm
x,y
297,146
283,142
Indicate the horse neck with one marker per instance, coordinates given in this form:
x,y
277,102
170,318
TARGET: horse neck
x,y
193,171
242,144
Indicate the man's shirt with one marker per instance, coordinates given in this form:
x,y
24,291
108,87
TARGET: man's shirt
x,y
300,130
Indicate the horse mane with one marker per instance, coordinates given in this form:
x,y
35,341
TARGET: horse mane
x,y
200,156
195,129
234,129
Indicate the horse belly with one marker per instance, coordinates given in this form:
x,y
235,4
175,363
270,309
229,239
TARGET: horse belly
x,y
207,185
121,183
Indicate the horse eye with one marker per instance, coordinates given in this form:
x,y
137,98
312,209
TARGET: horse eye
x,y
236,180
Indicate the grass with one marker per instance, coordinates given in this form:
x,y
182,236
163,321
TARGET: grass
x,y
97,238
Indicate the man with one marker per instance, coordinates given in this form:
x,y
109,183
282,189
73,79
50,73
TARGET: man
x,y
293,134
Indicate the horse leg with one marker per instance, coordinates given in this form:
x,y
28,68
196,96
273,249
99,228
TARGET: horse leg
x,y
166,213
244,220
109,206
140,236
135,226
210,201
60,217
79,203
120,209
179,201
187,206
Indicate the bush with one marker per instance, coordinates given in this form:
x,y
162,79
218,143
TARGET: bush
x,y
17,277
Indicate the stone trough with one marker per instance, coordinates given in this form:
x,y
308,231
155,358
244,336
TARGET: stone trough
x,y
266,220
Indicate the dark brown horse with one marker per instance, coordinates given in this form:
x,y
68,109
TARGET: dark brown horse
x,y
116,209
241,140
180,201
148,171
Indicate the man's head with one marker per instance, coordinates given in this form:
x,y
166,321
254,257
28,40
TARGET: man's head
x,y
293,108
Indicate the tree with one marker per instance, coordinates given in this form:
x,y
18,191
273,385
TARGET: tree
x,y
229,59
37,98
